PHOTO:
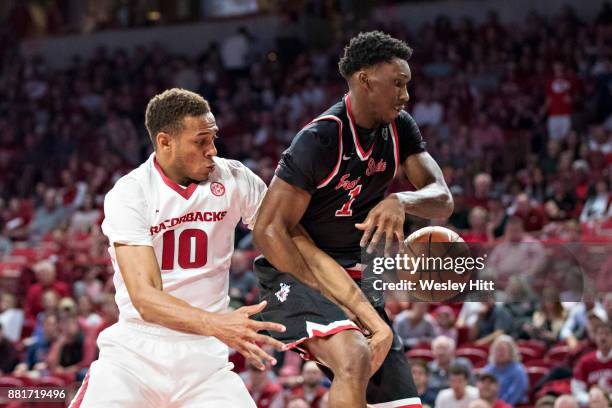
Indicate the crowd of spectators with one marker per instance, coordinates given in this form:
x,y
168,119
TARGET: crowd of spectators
x,y
518,117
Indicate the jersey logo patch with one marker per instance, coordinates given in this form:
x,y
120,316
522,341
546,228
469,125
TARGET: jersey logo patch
x,y
345,157
282,294
217,189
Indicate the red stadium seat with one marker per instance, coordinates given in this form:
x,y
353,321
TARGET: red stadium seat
x,y
8,381
477,356
528,353
539,363
420,354
536,345
536,373
558,353
48,381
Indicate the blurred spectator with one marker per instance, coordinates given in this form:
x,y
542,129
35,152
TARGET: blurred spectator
x,y
561,92
443,349
311,390
414,325
11,317
548,320
46,280
504,364
9,357
478,226
598,398
532,217
487,136
596,206
50,302
242,281
420,375
444,324
518,254
428,112
494,320
566,401
595,368
235,51
49,215
68,354
459,217
38,351
460,394
266,392
90,285
297,403
86,216
482,190
547,401
488,390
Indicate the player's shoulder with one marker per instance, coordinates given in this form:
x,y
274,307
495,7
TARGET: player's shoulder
x,y
132,185
405,118
231,169
322,132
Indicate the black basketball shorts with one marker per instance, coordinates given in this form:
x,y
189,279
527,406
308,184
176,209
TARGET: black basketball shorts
x,y
307,314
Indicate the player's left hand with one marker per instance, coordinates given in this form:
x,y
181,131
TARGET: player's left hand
x,y
379,343
386,218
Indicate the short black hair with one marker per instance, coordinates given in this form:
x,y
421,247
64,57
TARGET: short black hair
x,y
371,48
459,369
166,111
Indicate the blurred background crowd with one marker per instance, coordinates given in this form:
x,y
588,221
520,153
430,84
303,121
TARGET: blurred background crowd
x,y
518,116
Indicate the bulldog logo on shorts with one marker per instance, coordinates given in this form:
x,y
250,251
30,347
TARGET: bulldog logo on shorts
x,y
217,189
282,294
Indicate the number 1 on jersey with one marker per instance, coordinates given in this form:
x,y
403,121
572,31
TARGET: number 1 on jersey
x,y
192,248
346,211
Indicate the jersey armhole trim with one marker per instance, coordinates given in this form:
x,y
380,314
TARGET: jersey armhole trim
x,y
336,168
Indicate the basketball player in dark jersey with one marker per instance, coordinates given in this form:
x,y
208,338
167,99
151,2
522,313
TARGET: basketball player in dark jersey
x,y
329,189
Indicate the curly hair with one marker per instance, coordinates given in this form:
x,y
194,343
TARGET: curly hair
x,y
166,110
371,48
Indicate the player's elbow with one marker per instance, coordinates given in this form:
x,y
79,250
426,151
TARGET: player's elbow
x,y
446,204
142,304
263,234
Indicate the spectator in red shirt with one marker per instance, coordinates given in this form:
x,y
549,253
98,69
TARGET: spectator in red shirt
x,y
595,368
482,190
560,94
311,389
46,280
478,226
532,217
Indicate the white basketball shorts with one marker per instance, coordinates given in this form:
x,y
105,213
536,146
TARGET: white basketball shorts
x,y
146,366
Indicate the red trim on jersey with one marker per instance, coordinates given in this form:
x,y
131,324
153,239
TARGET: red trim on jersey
x,y
78,400
184,192
354,273
334,171
363,155
396,153
318,333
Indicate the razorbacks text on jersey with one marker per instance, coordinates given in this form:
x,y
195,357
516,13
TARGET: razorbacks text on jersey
x,y
190,228
347,170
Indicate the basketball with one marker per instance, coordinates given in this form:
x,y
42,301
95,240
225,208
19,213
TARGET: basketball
x,y
436,258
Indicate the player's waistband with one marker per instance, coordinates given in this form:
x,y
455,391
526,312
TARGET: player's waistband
x,y
355,271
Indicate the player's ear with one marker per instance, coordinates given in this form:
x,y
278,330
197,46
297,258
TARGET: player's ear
x,y
362,78
163,140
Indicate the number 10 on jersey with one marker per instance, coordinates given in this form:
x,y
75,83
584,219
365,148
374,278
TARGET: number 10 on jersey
x,y
192,249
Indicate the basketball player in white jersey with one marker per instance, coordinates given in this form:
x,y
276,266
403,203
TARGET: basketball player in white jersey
x,y
170,224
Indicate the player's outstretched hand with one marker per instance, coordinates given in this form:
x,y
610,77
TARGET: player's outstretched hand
x,y
239,331
379,343
386,218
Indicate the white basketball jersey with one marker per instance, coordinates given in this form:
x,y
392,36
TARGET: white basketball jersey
x,y
190,228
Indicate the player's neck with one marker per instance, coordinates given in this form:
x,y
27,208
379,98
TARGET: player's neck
x,y
359,110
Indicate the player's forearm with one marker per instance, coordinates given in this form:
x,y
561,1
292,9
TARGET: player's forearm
x,y
335,283
431,201
156,306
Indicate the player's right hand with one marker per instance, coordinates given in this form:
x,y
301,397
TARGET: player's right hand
x,y
239,331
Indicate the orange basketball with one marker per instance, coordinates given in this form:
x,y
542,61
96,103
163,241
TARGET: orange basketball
x,y
436,258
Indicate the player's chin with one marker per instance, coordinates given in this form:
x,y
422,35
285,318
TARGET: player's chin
x,y
393,114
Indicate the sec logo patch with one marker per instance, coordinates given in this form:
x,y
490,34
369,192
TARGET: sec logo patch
x,y
217,189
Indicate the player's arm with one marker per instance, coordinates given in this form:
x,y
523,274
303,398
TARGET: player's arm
x,y
287,246
142,278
